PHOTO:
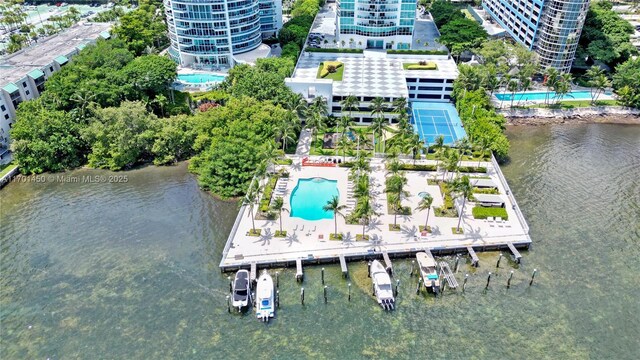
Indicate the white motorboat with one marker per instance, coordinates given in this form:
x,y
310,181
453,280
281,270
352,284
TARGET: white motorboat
x,y
241,290
428,272
382,285
265,305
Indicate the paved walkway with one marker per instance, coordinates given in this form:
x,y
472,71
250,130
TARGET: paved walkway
x,y
304,143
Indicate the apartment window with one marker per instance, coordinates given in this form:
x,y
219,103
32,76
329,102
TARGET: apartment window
x,y
24,84
51,68
4,108
6,116
27,92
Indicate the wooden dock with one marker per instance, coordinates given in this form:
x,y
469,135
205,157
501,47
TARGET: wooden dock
x,y
387,262
447,274
343,265
254,272
516,254
299,273
475,261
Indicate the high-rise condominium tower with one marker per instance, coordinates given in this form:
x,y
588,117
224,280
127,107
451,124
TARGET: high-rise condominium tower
x,y
376,24
551,28
210,32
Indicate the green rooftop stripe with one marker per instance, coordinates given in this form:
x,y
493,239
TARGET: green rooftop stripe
x,y
36,74
10,88
61,60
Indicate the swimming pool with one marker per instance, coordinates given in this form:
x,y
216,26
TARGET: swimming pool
x,y
542,95
310,195
200,78
432,119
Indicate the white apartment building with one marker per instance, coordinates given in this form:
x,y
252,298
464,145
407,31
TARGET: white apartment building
x,y
23,74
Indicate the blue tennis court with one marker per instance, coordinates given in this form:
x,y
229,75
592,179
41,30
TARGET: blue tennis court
x,y
432,119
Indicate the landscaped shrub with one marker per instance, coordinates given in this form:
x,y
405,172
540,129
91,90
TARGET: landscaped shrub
x,y
333,50
326,68
425,66
418,52
472,169
481,212
412,167
266,195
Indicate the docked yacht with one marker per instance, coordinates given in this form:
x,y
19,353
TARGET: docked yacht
x,y
265,306
382,285
241,290
428,271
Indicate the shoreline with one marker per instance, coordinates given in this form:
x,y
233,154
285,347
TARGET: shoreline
x,y
621,119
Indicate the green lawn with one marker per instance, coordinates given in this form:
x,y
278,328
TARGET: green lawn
x,y
481,212
4,169
572,104
416,66
335,76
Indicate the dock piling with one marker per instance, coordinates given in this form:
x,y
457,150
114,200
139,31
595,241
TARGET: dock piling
x,y
418,287
413,263
277,281
299,273
230,286
343,266
499,258
509,279
457,263
228,303
322,275
533,275
278,298
349,291
464,283
369,269
395,293
325,294
302,296
488,281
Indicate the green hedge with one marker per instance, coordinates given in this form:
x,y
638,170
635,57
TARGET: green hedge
x,y
334,50
346,165
481,212
463,169
418,52
284,161
268,191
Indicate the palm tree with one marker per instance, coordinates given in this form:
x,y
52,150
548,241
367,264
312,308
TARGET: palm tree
x,y
344,144
462,187
395,186
360,166
378,107
400,105
345,123
296,104
598,82
425,204
362,189
414,145
438,145
483,145
286,129
404,126
334,206
250,200
451,162
551,80
364,212
319,104
269,153
512,86
278,205
464,146
315,121
350,103
564,86
394,167
84,99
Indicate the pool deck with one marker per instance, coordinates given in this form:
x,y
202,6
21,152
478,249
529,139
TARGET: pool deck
x,y
309,240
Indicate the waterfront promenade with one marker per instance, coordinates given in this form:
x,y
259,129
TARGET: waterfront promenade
x,y
310,240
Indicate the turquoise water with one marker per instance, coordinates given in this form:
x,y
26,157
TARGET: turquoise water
x,y
434,119
525,96
310,195
200,78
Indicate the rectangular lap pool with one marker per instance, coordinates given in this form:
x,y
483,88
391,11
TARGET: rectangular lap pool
x,y
432,119
542,95
200,78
